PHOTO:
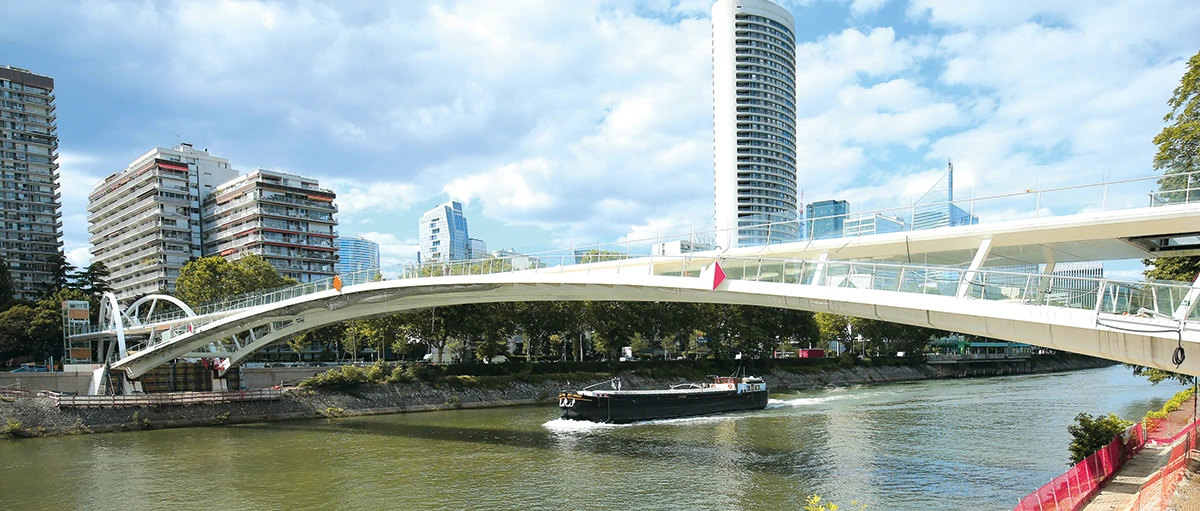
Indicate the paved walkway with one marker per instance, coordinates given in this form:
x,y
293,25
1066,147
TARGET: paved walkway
x,y
1120,492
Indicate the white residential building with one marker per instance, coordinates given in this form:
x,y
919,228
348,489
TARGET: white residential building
x,y
145,220
754,123
284,218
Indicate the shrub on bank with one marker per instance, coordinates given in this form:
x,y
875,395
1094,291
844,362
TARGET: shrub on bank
x,y
1154,419
1090,434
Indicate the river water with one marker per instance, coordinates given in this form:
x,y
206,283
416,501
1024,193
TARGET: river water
x,y
949,444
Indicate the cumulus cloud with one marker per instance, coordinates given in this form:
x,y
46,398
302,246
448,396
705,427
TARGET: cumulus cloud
x,y
593,118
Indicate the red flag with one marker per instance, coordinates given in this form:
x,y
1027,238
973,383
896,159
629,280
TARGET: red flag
x,y
718,275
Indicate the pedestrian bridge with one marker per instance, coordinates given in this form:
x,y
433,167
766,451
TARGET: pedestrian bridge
x,y
1134,322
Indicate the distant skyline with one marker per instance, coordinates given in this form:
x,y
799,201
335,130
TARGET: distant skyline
x,y
588,119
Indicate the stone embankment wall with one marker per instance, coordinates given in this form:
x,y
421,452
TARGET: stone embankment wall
x,y
40,416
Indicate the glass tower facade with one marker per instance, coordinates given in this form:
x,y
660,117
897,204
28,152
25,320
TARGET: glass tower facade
x,y
356,254
826,219
754,123
443,232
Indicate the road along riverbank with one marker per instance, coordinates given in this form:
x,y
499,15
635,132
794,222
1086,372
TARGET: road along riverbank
x,y
42,416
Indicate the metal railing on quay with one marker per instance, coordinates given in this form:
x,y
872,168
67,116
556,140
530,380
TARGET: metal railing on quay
x,y
168,399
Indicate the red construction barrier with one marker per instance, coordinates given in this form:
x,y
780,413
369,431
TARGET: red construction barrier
x,y
1072,490
1159,487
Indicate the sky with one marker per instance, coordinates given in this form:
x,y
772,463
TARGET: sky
x,y
561,121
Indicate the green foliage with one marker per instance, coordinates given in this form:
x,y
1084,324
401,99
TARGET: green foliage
x,y
339,378
1090,434
333,412
212,279
12,429
1154,418
7,291
1180,269
1157,376
35,330
1178,157
814,503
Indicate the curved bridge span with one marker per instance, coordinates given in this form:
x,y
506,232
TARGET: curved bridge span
x,y
1137,323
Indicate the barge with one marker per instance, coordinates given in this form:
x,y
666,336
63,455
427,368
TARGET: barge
x,y
723,394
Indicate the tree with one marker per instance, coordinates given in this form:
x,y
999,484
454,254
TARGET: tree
x,y
298,344
1090,434
1178,158
61,273
1157,376
212,279
833,329
7,291
14,331
93,280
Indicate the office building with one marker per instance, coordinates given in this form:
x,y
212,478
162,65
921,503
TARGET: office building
x,y
476,248
936,207
31,232
875,223
754,123
284,218
144,220
356,254
443,232
825,219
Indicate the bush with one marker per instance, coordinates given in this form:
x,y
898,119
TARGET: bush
x,y
340,378
1090,434
1154,419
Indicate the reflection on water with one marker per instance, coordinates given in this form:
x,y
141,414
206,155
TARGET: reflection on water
x,y
954,444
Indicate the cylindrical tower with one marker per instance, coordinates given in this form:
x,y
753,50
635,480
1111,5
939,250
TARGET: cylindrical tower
x,y
754,123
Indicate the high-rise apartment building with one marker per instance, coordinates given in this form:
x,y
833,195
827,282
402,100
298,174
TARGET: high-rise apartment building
x,y
284,218
31,231
754,123
144,220
356,254
443,232
826,219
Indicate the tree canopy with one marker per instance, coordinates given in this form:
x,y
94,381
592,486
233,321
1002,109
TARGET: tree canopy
x,y
1178,157
211,279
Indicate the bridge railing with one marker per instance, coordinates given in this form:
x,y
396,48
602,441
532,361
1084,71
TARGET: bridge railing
x,y
1152,299
1033,202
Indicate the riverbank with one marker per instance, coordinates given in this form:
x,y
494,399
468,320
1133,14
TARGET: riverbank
x,y
39,416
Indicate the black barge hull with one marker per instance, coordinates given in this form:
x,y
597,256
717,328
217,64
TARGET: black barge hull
x,y
620,409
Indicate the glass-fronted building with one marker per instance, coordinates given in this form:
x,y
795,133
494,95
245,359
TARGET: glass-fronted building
x,y
443,232
356,254
876,223
825,219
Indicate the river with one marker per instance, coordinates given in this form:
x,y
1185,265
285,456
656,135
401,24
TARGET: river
x,y
948,444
